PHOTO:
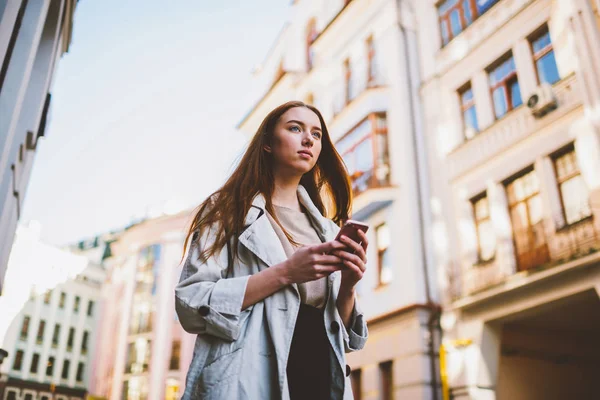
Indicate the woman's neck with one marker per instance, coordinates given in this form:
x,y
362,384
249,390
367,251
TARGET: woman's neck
x,y
285,193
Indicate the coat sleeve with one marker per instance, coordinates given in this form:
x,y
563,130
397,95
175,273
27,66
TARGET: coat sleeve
x,y
355,337
205,301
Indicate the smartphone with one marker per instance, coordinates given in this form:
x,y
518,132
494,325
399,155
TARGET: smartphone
x,y
351,228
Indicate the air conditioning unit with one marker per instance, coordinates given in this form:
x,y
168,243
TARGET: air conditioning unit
x,y
542,101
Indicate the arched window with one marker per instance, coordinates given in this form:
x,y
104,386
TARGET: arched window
x,y
311,35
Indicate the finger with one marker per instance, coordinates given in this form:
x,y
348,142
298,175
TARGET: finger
x,y
364,240
354,267
357,248
354,259
327,247
328,259
328,269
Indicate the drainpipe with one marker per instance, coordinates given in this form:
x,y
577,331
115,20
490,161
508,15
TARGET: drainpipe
x,y
434,309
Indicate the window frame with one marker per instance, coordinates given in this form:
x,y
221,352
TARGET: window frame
x,y
464,107
65,368
50,366
373,134
463,21
25,327
40,332
56,335
504,83
478,221
380,253
80,372
35,363
18,360
570,148
90,308
311,35
347,81
537,56
371,79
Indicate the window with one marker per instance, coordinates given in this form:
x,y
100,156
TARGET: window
x,y
385,371
28,396
365,153
526,214
84,342
504,83
50,366
76,304
40,332
18,362
56,335
25,327
47,296
34,363
383,255
311,35
175,355
11,394
90,309
371,65
65,369
348,81
355,378
80,368
467,106
63,300
573,190
456,15
486,240
543,55
71,338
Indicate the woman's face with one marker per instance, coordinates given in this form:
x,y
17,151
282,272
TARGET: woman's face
x,y
296,143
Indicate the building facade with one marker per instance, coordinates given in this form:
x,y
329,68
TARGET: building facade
x,y
49,321
511,105
357,62
33,36
144,352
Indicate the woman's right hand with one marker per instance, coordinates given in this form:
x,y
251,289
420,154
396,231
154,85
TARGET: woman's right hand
x,y
310,263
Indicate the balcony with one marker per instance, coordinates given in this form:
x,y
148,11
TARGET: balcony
x,y
509,130
365,152
537,248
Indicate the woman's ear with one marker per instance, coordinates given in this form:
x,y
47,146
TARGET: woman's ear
x,y
267,148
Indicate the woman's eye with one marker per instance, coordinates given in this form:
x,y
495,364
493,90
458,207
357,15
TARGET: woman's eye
x,y
317,135
294,128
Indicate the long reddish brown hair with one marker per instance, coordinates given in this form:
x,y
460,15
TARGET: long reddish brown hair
x,y
225,210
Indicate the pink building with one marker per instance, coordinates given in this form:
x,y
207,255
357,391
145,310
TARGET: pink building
x,y
143,351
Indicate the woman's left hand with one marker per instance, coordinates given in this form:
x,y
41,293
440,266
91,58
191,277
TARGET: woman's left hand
x,y
354,260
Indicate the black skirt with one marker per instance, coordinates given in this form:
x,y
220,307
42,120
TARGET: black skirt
x,y
308,368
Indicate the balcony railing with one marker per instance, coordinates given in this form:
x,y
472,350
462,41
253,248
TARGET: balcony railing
x,y
362,181
538,247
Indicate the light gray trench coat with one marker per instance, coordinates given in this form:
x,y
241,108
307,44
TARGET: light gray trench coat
x,y
243,354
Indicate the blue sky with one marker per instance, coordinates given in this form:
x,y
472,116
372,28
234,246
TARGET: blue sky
x,y
144,109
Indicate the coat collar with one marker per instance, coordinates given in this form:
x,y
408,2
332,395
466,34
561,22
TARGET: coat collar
x,y
260,237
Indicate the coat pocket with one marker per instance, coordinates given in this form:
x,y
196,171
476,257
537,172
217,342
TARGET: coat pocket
x,y
219,374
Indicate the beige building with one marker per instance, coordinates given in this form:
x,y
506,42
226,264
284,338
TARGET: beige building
x,y
357,62
143,351
511,101
33,36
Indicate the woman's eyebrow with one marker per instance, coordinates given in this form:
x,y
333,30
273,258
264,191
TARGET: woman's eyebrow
x,y
293,121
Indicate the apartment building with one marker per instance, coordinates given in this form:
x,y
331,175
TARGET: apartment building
x,y
144,353
49,321
511,105
33,36
357,62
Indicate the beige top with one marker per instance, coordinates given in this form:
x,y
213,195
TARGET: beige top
x,y
297,224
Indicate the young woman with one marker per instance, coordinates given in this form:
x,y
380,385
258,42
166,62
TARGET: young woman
x,y
266,287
